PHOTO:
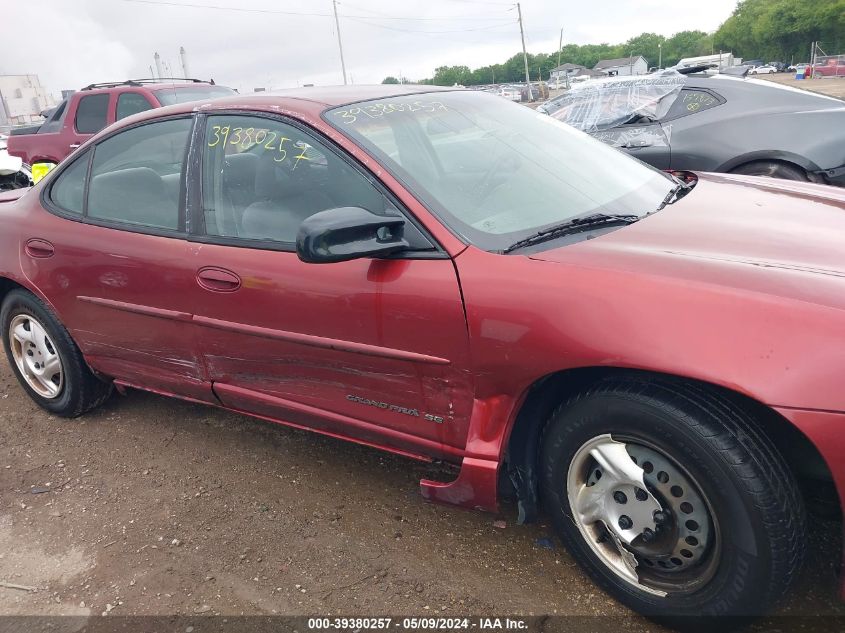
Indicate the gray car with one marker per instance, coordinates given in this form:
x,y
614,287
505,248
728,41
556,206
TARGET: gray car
x,y
718,123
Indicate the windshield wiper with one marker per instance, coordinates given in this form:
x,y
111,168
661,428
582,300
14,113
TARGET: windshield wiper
x,y
677,192
572,226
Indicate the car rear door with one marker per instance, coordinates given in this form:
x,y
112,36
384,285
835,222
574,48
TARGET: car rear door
x,y
88,115
375,349
112,258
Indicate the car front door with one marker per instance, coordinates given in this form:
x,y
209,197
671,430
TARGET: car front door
x,y
375,349
112,258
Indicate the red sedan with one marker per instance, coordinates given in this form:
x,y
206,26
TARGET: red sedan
x,y
652,361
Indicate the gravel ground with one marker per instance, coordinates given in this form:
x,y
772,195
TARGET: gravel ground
x,y
155,506
831,86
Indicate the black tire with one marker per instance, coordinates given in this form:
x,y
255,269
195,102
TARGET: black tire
x,y
772,169
81,390
752,496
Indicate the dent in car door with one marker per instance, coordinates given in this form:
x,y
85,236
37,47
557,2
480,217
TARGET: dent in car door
x,y
380,341
119,275
376,349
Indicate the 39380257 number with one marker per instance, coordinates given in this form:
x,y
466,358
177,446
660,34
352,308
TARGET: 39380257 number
x,y
243,139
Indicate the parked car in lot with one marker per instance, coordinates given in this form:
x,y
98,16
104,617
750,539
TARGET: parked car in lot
x,y
768,69
830,67
14,173
88,111
511,93
652,359
715,123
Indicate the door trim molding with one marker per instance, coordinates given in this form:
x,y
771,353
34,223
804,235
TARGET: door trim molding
x,y
320,341
309,340
160,313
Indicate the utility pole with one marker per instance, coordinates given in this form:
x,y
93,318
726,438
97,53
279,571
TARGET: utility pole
x,y
339,42
559,49
659,55
524,54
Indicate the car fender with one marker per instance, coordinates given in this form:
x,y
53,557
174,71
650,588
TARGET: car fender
x,y
13,219
530,319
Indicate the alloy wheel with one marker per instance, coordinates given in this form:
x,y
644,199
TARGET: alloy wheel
x,y
36,357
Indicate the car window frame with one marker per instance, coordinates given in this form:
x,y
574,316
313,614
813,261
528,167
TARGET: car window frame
x,y
196,223
717,96
181,232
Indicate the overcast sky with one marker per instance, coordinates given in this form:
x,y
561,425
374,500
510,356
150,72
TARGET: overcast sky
x,y
285,43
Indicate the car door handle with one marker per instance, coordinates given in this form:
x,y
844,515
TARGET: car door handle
x,y
636,144
39,249
74,145
218,279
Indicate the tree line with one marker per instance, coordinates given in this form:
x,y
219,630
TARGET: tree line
x,y
772,30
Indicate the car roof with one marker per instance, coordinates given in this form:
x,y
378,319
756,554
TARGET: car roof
x,y
331,96
306,102
762,93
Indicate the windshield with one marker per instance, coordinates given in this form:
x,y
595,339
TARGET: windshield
x,y
496,171
604,103
169,96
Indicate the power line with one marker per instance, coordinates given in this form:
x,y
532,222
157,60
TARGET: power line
x,y
379,15
216,7
404,30
499,4
186,5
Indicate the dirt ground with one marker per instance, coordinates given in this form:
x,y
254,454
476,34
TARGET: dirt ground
x,y
831,86
155,506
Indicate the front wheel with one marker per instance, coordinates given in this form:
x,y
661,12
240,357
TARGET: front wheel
x,y
670,497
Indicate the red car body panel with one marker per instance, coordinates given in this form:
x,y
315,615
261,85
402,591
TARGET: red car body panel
x,y
740,284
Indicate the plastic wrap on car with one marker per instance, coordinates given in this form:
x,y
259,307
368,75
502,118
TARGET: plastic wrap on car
x,y
605,103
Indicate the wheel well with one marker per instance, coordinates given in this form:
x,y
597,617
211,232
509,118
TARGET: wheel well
x,y
7,285
524,443
811,176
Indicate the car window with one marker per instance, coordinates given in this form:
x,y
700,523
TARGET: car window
x,y
263,177
91,113
129,103
136,175
68,190
54,123
691,101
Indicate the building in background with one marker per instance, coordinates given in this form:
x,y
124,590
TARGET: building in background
x,y
572,71
623,67
22,99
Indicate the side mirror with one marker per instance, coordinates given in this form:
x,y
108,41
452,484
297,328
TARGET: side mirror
x,y
344,233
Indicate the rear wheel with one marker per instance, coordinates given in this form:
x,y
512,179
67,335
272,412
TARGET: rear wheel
x,y
771,169
668,495
45,359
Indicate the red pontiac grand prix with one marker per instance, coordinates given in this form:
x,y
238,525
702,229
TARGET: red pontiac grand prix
x,y
653,360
